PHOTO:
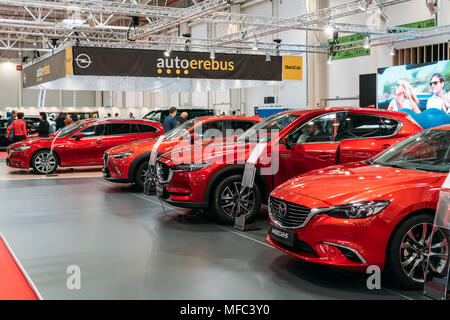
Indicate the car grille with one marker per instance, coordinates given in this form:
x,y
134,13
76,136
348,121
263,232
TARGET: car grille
x,y
295,216
162,172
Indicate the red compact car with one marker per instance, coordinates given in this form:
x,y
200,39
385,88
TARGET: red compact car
x,y
303,140
128,163
375,212
80,144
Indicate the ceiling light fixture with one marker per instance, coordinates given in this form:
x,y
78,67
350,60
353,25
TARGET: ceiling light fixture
x,y
255,44
268,58
367,42
432,6
364,4
213,54
329,29
393,51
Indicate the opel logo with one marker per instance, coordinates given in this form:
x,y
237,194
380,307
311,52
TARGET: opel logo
x,y
83,60
282,209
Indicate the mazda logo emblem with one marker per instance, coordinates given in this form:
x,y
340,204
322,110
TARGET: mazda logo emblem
x,y
282,209
83,61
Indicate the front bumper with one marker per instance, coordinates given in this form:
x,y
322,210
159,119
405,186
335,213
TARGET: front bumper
x,y
116,170
343,243
19,160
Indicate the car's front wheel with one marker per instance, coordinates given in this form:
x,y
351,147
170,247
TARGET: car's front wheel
x,y
229,198
44,162
143,176
408,253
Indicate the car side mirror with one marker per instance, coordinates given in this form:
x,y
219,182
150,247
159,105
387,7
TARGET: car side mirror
x,y
78,136
287,141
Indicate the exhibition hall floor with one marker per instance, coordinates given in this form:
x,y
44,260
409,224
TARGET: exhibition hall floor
x,y
127,248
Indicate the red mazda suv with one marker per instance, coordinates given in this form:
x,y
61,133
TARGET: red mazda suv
x,y
80,144
128,163
297,142
374,212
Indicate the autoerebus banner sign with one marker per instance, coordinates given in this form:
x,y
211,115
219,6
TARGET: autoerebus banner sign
x,y
181,64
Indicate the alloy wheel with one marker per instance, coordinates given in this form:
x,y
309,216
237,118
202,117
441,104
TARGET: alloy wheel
x,y
414,251
45,162
233,199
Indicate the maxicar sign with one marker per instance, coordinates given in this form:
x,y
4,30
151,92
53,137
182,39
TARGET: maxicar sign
x,y
119,62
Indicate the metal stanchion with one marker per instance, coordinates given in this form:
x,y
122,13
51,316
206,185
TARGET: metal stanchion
x,y
437,272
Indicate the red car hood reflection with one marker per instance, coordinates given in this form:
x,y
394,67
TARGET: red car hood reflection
x,y
354,182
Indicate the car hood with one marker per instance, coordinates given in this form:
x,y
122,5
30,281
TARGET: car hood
x,y
338,185
219,152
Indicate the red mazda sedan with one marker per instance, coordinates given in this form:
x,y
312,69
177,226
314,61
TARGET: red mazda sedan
x,y
79,144
297,142
128,163
375,212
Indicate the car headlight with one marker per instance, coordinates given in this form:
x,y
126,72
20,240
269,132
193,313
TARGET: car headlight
x,y
21,148
357,210
189,167
121,155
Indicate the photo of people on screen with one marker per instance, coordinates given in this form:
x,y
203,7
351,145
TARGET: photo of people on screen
x,y
439,99
404,97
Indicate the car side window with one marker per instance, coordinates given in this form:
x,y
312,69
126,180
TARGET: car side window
x,y
144,128
212,129
318,130
93,131
238,127
359,126
117,129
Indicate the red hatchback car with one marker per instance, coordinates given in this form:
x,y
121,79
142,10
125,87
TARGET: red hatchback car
x,y
375,212
305,140
79,144
128,163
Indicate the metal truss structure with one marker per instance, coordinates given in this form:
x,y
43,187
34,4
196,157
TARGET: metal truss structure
x,y
28,25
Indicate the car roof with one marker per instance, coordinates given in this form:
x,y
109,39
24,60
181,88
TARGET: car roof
x,y
219,117
350,109
106,120
443,127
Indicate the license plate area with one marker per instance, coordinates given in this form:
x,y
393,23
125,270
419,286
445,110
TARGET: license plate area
x,y
281,235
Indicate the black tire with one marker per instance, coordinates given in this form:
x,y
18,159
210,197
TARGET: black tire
x,y
139,177
224,213
39,165
410,250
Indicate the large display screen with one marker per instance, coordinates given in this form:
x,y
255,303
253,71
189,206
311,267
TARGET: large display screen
x,y
415,87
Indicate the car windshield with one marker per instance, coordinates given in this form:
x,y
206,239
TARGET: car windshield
x,y
266,129
154,115
426,151
71,128
180,130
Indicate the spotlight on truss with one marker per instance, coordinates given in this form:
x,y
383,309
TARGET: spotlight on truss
x,y
364,4
432,6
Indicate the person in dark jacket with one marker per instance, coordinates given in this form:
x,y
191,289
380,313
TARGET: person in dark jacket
x,y
60,121
44,127
11,117
170,121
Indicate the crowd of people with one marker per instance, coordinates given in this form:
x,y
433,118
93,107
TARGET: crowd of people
x,y
405,98
172,121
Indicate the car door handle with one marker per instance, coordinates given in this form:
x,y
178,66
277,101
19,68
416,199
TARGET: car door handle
x,y
385,146
133,138
99,141
324,156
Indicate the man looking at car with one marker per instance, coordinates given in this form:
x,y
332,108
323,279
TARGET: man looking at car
x,y
170,121
60,121
315,135
183,117
11,118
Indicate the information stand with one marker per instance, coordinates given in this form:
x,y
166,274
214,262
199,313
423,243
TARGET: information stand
x,y
150,181
437,274
248,181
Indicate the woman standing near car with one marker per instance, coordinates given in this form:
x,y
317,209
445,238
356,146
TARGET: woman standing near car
x,y
20,129
44,127
405,98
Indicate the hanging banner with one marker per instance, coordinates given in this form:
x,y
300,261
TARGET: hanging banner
x,y
52,68
347,42
179,64
41,98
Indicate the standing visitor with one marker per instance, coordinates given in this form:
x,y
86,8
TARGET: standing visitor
x,y
170,121
44,127
68,120
17,130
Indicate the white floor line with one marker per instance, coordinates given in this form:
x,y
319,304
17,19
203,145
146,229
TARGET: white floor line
x,y
27,277
48,178
249,238
244,236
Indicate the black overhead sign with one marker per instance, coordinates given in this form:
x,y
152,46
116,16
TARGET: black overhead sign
x,y
180,64
93,61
